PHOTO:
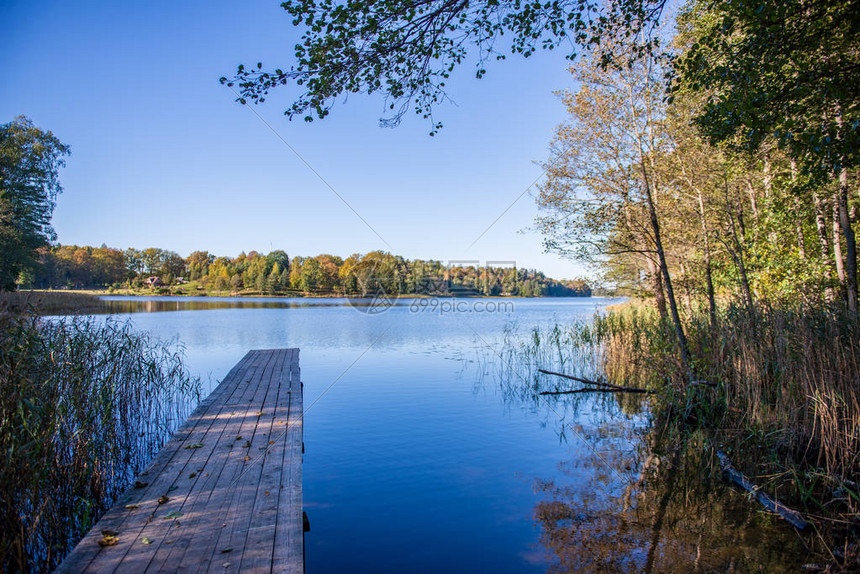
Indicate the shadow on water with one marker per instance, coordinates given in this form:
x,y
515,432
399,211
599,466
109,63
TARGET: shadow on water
x,y
641,495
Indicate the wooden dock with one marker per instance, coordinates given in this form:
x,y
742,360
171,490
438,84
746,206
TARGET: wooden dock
x,y
225,493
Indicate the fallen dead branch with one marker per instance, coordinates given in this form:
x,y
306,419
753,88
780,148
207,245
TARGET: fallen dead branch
x,y
607,387
593,390
791,516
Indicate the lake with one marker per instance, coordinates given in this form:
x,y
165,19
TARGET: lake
x,y
418,459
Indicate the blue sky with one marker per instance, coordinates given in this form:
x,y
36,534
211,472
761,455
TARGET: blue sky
x,y
163,156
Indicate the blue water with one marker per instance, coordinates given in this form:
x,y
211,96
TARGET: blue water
x,y
414,461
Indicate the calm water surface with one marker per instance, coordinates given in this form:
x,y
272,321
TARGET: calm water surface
x,y
415,460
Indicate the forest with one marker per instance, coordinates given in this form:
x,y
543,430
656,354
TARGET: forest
x,y
162,271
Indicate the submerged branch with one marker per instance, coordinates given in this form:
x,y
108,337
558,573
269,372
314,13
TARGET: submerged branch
x,y
608,387
597,390
791,516
593,383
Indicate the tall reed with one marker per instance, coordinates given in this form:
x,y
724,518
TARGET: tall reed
x,y
84,406
791,373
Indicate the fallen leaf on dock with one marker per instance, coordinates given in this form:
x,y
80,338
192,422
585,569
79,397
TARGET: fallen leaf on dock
x,y
194,445
163,499
172,488
108,540
192,475
226,550
173,514
146,540
131,506
139,484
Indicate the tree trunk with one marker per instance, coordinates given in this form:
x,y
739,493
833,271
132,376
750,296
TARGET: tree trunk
x,y
850,242
685,283
657,287
823,246
850,274
681,338
664,268
709,282
837,247
801,243
738,252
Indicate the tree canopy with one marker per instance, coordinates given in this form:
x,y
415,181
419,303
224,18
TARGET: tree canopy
x,y
789,71
407,49
30,160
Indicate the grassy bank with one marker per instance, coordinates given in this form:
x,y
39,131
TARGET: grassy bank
x,y
84,405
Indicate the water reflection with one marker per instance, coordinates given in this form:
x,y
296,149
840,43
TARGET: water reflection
x,y
124,304
641,496
677,515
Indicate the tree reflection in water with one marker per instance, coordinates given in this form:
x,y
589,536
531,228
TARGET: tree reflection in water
x,y
645,496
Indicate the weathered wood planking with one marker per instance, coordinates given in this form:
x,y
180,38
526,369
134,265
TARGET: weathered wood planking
x,y
233,477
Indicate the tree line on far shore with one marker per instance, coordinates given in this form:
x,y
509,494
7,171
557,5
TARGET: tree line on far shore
x,y
72,266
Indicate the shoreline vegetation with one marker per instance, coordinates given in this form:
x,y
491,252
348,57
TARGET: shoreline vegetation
x,y
84,406
776,391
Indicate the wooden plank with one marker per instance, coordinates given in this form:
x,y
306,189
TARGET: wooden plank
x,y
289,557
227,496
210,549
163,532
242,502
260,541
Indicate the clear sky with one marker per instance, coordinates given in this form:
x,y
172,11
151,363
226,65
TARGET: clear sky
x,y
162,156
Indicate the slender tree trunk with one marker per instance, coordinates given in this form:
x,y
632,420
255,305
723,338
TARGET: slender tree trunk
x,y
823,246
837,248
850,242
657,286
850,275
686,284
768,177
683,348
709,282
801,243
738,252
753,201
